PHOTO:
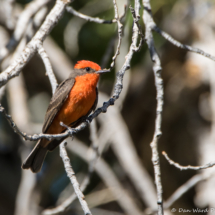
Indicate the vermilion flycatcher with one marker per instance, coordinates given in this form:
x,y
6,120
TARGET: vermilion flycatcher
x,y
74,99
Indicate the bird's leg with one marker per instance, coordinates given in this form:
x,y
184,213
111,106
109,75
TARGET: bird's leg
x,y
70,130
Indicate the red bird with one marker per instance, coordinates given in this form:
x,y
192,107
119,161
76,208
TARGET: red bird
x,y
74,99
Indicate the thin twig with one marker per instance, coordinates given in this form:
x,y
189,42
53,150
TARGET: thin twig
x,y
180,45
89,18
72,177
147,18
177,165
120,26
48,67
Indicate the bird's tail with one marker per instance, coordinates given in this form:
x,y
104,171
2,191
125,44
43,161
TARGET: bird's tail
x,y
35,159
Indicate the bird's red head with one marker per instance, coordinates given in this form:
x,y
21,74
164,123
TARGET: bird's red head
x,y
85,63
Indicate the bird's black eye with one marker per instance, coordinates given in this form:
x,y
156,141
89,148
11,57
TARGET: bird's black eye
x,y
87,69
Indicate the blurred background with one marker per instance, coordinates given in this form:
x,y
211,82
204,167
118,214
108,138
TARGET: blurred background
x,y
124,176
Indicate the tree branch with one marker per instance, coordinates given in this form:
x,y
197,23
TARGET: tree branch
x,y
180,45
48,67
177,165
88,18
71,175
147,18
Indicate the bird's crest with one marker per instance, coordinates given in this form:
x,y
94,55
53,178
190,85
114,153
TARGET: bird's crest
x,y
86,63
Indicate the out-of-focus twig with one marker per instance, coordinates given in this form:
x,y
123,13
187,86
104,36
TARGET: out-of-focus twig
x,y
2,91
72,177
109,178
22,22
6,11
107,175
177,165
51,20
123,147
148,21
56,55
18,107
185,187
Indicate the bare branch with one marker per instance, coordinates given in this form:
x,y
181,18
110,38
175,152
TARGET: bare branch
x,y
51,20
88,18
147,18
48,67
168,37
72,177
180,45
177,165
120,26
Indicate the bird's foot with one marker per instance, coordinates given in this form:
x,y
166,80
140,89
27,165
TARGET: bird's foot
x,y
70,130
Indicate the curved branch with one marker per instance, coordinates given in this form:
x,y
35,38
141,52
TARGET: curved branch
x,y
177,165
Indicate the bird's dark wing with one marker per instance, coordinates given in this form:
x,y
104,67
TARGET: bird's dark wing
x,y
57,101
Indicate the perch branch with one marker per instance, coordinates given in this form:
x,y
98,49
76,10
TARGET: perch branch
x,y
92,160
15,68
72,177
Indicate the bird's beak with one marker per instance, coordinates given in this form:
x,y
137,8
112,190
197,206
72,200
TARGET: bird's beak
x,y
102,71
